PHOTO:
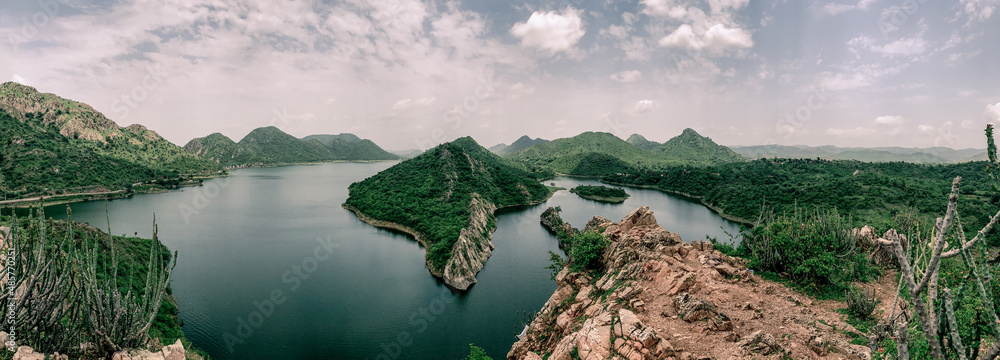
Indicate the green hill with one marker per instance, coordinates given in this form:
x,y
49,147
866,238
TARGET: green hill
x,y
521,143
691,148
567,155
270,146
53,146
446,197
640,142
935,155
498,149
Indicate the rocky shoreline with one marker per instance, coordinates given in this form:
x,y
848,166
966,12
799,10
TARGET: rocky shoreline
x,y
660,298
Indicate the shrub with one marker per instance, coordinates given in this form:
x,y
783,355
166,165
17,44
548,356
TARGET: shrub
x,y
817,252
585,253
477,353
861,303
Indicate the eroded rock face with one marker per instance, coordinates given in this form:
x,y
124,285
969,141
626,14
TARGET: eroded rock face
x,y
660,298
473,247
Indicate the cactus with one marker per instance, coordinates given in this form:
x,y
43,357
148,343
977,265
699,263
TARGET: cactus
x,y
861,304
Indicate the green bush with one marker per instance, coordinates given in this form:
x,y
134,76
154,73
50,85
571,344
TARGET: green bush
x,y
815,252
861,303
477,353
585,253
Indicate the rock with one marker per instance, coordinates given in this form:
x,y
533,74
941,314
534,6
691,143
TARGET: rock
x,y
684,283
584,293
563,321
597,223
692,309
56,356
4,337
721,322
531,356
638,217
761,343
593,341
473,246
817,344
563,349
174,351
27,353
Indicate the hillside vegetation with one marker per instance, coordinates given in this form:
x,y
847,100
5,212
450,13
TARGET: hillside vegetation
x,y
441,194
270,146
54,145
598,154
871,192
935,155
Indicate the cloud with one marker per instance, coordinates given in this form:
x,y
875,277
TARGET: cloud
x,y
550,31
993,112
718,37
20,80
517,90
837,8
408,103
910,46
668,8
626,76
855,132
925,128
641,107
889,120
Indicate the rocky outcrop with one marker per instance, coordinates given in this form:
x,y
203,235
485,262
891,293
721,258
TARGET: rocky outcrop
x,y
660,298
556,226
170,352
473,247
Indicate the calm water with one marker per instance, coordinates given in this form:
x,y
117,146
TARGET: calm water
x,y
271,267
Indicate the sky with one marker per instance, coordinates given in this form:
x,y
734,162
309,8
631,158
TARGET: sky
x,y
410,74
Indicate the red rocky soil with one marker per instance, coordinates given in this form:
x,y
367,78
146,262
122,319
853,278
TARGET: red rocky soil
x,y
660,298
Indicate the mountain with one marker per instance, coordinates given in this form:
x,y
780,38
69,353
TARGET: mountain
x,y
330,139
935,155
587,154
56,145
446,198
640,142
498,149
269,145
693,149
406,154
522,143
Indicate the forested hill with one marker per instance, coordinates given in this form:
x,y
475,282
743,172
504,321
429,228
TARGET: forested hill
x,y
934,155
690,148
871,192
269,146
54,145
451,187
598,154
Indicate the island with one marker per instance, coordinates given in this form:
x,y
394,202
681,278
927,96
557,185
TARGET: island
x,y
601,193
446,198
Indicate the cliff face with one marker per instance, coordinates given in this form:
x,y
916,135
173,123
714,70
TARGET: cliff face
x,y
660,298
473,247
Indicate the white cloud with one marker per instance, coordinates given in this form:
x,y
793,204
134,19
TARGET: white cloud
x,y
717,37
855,132
837,8
889,120
993,112
979,10
925,128
517,90
408,103
626,76
683,37
910,46
20,80
641,107
551,31
668,8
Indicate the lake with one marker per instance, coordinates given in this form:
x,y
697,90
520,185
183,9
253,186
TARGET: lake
x,y
271,267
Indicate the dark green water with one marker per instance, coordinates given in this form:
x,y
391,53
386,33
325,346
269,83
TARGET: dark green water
x,y
343,289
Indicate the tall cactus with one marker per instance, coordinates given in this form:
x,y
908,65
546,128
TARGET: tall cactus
x,y
67,289
921,274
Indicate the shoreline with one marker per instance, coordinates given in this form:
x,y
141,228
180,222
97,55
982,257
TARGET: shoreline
x,y
419,237
699,199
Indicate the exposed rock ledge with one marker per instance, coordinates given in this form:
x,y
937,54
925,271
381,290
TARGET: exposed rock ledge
x,y
169,352
470,252
659,298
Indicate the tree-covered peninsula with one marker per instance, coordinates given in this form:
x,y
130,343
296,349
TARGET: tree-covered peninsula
x,y
445,198
600,193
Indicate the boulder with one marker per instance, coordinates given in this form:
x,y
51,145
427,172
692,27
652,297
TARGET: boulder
x,y
27,353
692,309
761,343
638,217
174,351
